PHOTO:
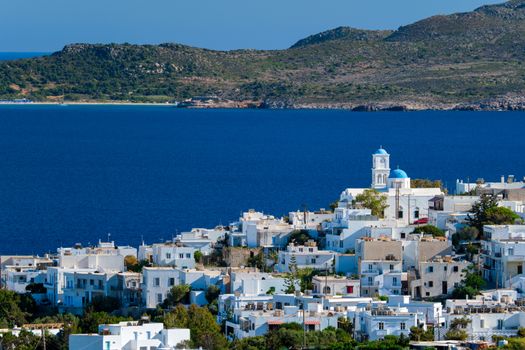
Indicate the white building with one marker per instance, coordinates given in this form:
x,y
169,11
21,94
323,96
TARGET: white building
x,y
335,285
405,204
436,277
491,314
306,256
259,228
131,335
169,254
158,281
382,320
256,283
503,254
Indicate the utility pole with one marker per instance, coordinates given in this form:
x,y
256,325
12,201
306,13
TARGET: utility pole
x,y
304,324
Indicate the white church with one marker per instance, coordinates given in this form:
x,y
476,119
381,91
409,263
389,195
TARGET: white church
x,y
405,204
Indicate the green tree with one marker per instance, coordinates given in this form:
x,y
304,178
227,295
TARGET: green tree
x,y
486,212
197,256
457,329
105,303
299,237
205,332
176,318
14,308
419,334
373,200
212,293
430,230
471,284
291,278
515,344
92,319
177,294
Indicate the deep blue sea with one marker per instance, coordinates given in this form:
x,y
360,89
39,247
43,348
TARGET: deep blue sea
x,y
5,56
74,173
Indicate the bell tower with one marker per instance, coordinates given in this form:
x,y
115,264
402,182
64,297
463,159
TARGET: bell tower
x,y
380,168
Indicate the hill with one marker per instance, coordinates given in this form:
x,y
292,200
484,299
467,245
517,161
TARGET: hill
x,y
466,60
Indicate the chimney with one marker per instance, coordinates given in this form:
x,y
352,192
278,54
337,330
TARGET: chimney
x,y
502,179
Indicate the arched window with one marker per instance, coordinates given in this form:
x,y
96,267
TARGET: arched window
x,y
384,178
379,179
326,290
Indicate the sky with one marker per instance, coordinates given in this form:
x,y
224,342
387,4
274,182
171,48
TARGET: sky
x,y
45,26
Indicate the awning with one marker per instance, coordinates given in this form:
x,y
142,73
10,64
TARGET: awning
x,y
275,322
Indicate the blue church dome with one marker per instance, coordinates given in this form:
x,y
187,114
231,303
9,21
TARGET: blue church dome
x,y
398,174
380,151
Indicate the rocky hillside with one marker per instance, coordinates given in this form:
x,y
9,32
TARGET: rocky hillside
x,y
457,61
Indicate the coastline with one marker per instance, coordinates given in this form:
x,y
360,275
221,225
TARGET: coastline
x,y
496,104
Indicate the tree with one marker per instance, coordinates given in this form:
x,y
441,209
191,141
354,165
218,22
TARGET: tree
x,y
205,332
430,230
176,295
471,284
138,266
487,212
13,309
521,332
92,319
426,183
457,329
299,237
373,200
212,293
291,279
479,210
130,261
176,318
197,256
105,303
419,334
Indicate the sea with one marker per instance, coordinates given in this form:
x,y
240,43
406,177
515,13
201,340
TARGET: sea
x,y
7,56
80,174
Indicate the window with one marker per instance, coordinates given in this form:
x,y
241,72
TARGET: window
x,y
445,268
431,284
381,326
431,269
394,281
416,213
500,324
188,256
171,282
300,250
313,261
403,326
403,235
400,214
156,282
168,255
350,289
159,298
181,256
370,280
482,323
427,294
370,267
456,268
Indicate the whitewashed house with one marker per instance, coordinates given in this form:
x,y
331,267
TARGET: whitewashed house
x,y
131,335
306,256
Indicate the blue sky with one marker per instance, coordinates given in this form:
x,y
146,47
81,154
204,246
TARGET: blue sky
x,y
36,25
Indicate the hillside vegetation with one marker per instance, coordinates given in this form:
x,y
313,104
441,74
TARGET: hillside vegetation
x,y
438,62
